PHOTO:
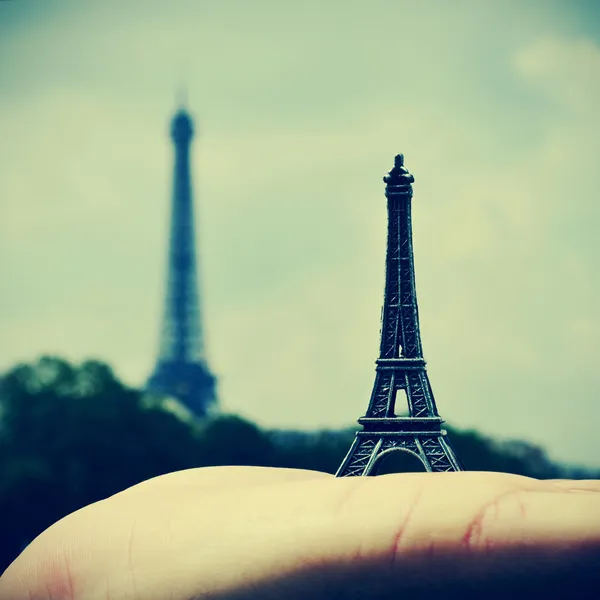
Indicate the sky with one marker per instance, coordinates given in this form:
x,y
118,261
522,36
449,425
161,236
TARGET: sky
x,y
299,109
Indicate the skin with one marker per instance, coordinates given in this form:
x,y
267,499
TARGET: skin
x,y
242,533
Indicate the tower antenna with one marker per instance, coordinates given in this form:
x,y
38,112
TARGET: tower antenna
x,y
182,96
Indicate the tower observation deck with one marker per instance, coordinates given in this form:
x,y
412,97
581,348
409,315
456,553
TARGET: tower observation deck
x,y
181,370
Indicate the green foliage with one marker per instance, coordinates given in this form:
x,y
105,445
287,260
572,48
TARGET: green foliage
x,y
73,435
316,451
230,440
480,453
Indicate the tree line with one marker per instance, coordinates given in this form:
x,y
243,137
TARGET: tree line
x,y
71,435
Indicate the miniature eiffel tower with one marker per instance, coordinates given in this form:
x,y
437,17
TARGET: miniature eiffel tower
x,y
400,369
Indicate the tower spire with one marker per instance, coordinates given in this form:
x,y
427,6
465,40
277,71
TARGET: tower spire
x,y
182,97
181,370
400,368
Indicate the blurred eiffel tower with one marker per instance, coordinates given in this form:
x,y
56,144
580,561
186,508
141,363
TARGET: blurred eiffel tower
x,y
400,368
181,370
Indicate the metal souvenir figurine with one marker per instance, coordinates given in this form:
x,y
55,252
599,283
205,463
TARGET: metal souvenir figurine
x,y
400,368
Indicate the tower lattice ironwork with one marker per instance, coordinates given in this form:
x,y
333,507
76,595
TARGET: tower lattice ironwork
x,y
400,368
181,370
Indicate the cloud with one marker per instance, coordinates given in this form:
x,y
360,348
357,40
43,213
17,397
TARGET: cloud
x,y
568,70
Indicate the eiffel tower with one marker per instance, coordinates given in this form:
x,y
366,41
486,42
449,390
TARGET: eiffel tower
x,y
400,368
181,370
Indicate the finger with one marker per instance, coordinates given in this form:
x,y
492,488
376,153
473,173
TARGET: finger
x,y
313,538
578,485
220,477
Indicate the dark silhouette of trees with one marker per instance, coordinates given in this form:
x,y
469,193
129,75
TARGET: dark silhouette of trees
x,y
70,436
73,435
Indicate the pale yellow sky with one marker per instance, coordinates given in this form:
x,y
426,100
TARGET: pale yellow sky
x,y
300,109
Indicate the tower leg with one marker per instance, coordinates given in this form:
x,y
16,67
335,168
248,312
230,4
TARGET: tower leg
x,y
368,449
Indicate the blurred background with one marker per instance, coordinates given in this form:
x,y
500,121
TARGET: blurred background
x,y
299,109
